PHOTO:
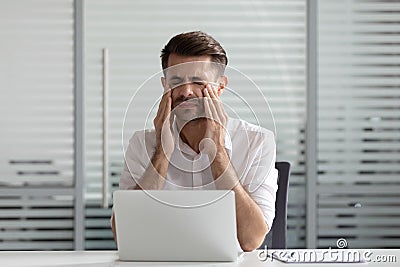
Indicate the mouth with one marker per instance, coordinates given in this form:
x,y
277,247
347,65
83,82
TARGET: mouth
x,y
188,104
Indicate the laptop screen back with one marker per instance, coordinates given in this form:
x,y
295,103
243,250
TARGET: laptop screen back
x,y
176,225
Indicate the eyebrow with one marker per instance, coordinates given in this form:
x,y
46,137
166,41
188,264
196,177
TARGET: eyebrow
x,y
176,78
197,78
192,78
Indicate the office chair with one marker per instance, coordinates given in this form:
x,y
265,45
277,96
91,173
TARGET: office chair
x,y
276,238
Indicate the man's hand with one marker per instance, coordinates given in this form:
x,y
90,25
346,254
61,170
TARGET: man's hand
x,y
163,125
156,173
214,138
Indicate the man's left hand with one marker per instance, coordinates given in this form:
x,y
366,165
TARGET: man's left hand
x,y
214,138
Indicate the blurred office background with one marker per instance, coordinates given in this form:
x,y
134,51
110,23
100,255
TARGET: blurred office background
x,y
329,69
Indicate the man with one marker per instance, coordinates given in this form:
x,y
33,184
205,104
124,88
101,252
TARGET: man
x,y
196,146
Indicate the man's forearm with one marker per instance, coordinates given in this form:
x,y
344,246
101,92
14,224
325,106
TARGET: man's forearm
x,y
251,226
156,173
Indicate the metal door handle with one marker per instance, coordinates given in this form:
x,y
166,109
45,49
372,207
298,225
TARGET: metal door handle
x,y
105,129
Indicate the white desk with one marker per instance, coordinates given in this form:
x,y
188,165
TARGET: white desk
x,y
110,258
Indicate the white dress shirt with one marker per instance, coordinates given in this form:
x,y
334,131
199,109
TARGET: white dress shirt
x,y
251,149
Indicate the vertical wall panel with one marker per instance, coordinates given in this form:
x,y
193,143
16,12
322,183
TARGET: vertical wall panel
x,y
36,103
36,124
359,123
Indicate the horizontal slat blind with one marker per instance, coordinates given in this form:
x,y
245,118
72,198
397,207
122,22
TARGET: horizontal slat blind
x,y
36,222
36,103
36,125
359,123
264,39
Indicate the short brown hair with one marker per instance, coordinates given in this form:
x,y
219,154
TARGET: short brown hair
x,y
196,43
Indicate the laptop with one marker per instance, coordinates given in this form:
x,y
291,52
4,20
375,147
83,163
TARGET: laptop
x,y
162,225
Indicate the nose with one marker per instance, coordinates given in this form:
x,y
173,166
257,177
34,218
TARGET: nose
x,y
185,90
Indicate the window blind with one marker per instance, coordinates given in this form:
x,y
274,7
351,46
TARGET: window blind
x,y
36,124
36,221
263,39
359,122
37,79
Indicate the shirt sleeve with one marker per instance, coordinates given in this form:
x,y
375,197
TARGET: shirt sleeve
x,y
261,179
135,162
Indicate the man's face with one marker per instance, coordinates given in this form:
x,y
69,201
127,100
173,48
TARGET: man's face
x,y
187,78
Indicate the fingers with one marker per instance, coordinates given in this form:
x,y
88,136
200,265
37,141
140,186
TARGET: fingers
x,y
213,105
211,110
165,104
171,121
164,109
219,106
161,105
212,92
168,102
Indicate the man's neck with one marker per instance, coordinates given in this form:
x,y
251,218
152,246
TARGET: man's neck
x,y
192,132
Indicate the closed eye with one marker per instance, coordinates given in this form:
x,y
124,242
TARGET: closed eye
x,y
175,80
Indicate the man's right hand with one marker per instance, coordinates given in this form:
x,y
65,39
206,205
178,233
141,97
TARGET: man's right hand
x,y
163,125
156,173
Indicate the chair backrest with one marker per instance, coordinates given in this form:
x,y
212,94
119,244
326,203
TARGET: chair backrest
x,y
276,238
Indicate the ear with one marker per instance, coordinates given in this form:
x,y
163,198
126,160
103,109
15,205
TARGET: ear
x,y
223,82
